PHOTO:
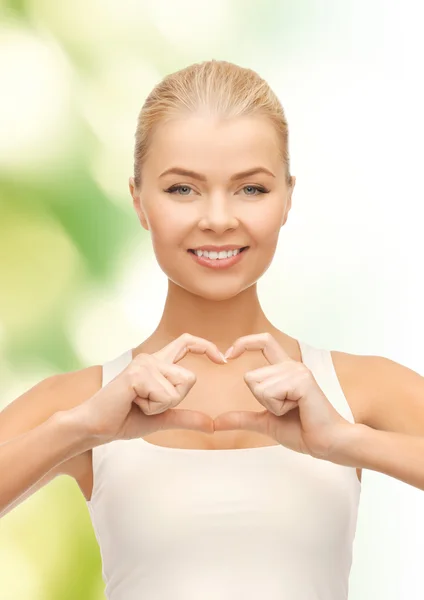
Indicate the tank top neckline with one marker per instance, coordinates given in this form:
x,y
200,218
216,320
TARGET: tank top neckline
x,y
309,354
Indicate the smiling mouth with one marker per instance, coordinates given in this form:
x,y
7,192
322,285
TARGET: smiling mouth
x,y
240,251
215,263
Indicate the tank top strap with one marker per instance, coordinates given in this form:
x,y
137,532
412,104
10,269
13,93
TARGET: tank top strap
x,y
320,362
110,370
113,367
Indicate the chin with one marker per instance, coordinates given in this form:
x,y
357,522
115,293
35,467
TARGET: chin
x,y
216,293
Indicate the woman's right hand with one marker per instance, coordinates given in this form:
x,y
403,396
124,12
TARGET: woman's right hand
x,y
142,398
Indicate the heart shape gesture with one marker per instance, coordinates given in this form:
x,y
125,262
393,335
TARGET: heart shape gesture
x,y
297,413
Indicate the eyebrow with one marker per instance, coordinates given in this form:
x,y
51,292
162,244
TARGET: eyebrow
x,y
200,177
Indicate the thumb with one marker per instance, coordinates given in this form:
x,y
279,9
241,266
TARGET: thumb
x,y
181,418
248,420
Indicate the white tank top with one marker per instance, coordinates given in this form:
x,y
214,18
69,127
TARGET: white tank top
x,y
232,524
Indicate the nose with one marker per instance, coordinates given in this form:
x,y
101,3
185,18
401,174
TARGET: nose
x,y
218,214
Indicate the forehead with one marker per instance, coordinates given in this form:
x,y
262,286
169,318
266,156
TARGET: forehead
x,y
206,143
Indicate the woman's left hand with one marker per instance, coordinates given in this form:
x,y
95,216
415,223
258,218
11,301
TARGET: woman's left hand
x,y
297,413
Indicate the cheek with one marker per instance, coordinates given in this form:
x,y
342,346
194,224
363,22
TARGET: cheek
x,y
266,226
167,229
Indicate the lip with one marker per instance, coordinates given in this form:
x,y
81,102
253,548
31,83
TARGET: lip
x,y
220,263
218,248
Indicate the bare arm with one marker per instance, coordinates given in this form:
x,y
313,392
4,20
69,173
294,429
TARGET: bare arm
x,y
390,439
399,455
39,437
35,457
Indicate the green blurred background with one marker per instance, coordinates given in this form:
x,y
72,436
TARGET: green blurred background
x,y
73,257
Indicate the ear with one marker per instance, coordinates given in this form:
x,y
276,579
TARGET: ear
x,y
137,204
289,198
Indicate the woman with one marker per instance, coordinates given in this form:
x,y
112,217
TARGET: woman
x,y
208,477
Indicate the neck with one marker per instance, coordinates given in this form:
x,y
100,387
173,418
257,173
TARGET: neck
x,y
220,322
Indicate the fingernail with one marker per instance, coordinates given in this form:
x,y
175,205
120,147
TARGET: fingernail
x,y
223,357
229,352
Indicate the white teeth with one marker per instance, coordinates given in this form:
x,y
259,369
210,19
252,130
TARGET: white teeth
x,y
217,255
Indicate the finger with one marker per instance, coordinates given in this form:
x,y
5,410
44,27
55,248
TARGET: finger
x,y
271,394
155,394
177,349
271,349
258,375
276,393
180,378
181,418
247,420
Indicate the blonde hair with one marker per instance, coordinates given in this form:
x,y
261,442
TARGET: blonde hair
x,y
222,88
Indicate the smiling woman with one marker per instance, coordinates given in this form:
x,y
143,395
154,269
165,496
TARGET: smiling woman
x,y
258,452
224,159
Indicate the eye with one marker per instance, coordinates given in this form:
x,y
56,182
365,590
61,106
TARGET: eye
x,y
258,188
174,188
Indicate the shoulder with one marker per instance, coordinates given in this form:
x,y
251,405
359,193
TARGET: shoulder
x,y
64,391
382,393
77,386
55,393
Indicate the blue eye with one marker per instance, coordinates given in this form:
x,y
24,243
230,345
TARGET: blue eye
x,y
174,188
258,188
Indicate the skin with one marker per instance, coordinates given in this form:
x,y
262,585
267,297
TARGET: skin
x,y
215,211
